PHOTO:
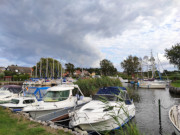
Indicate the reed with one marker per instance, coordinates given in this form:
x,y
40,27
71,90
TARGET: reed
x,y
129,128
133,94
92,85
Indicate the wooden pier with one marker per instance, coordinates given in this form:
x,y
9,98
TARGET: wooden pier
x,y
11,83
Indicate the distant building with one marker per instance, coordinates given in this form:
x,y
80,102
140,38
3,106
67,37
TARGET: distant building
x,y
20,70
77,73
2,69
8,78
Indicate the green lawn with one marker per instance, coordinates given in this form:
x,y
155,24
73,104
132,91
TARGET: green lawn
x,y
13,124
176,83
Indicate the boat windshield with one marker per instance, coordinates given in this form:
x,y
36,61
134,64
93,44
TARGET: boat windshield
x,y
54,96
14,101
3,89
104,97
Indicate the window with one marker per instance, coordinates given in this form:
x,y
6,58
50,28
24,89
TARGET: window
x,y
14,101
54,96
29,101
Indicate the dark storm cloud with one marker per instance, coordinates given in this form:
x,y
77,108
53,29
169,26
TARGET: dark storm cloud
x,y
51,28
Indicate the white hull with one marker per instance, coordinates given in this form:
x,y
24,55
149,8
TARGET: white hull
x,y
93,120
173,116
36,114
109,124
152,85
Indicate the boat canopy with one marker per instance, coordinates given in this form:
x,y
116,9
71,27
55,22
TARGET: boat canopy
x,y
38,92
110,90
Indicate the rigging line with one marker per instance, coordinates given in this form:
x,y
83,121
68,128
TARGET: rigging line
x,y
162,66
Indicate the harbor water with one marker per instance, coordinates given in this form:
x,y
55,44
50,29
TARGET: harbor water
x,y
147,111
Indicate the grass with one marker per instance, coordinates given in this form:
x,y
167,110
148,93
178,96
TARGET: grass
x,y
176,83
13,124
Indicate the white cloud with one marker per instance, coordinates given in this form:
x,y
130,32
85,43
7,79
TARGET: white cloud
x,y
85,32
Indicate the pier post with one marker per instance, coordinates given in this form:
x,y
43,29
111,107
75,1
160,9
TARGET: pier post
x,y
160,126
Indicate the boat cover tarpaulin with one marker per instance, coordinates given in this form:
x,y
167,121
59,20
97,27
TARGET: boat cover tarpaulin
x,y
110,90
13,88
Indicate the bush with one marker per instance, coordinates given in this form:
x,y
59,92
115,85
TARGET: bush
x,y
91,86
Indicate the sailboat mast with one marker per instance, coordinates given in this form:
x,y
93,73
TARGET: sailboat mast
x,y
40,67
58,69
47,68
36,70
53,68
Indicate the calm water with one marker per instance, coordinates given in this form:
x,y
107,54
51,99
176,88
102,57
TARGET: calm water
x,y
147,114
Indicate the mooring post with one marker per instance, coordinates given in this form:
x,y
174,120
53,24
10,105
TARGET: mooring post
x,y
160,126
159,102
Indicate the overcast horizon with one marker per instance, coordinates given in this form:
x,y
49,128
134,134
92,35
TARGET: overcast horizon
x,y
85,32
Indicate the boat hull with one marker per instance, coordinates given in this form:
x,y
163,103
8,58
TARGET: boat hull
x,y
153,85
173,118
37,114
102,124
109,124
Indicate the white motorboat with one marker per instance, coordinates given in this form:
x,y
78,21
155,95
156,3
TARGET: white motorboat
x,y
174,116
99,116
57,98
7,92
17,104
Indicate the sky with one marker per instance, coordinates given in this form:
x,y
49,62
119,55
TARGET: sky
x,y
84,32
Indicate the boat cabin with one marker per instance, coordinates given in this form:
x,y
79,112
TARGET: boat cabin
x,y
60,93
112,94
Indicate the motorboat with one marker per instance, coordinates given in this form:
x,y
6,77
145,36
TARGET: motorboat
x,y
7,92
152,84
17,104
100,114
61,97
174,116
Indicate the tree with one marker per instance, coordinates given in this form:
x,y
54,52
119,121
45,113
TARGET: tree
x,y
131,65
107,68
173,55
70,68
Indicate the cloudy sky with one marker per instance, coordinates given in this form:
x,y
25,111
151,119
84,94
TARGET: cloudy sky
x,y
84,32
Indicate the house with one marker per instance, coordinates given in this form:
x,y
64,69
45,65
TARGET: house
x,y
20,70
77,73
2,69
66,74
85,73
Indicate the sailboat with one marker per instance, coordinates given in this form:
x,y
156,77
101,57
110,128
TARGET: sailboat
x,y
151,83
